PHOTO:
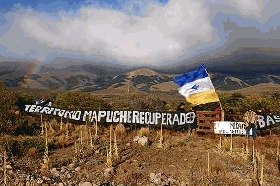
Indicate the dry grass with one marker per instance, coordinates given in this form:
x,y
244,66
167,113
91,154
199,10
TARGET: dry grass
x,y
62,140
33,152
259,89
120,130
46,165
55,125
185,157
144,131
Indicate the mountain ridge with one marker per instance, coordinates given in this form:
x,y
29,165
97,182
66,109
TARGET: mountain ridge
x,y
87,77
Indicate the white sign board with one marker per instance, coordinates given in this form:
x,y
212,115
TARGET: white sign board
x,y
229,127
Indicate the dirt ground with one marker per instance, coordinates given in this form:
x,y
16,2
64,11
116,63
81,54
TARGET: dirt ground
x,y
183,159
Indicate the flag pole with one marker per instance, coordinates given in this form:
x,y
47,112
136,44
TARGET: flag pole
x,y
221,105
222,112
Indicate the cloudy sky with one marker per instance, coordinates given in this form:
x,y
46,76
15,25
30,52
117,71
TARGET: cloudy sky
x,y
135,32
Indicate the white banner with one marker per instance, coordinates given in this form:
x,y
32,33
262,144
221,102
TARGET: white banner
x,y
119,116
229,127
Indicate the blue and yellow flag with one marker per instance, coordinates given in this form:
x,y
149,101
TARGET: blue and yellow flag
x,y
196,86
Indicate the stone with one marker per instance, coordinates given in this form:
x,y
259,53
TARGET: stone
x,y
9,167
55,172
71,165
109,172
135,139
171,181
77,169
85,184
152,176
69,176
40,181
143,140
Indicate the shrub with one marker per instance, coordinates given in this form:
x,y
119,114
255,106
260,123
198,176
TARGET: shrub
x,y
120,129
144,131
80,101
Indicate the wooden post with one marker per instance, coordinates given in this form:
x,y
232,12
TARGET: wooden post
x,y
95,128
261,177
42,125
247,145
220,143
90,136
230,143
161,138
222,112
278,148
208,164
254,162
60,123
116,146
5,169
110,150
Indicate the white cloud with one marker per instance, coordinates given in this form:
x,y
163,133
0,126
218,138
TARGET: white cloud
x,y
158,35
114,34
247,7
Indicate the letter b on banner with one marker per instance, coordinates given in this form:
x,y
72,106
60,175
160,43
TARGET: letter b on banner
x,y
261,121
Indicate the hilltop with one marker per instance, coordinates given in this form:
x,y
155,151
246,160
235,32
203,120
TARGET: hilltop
x,y
88,77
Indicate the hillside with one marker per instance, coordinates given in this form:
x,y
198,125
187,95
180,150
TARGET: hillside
x,y
182,159
259,89
87,77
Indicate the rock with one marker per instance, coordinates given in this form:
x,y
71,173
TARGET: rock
x,y
77,169
63,169
60,184
143,140
71,165
55,172
109,172
69,176
9,167
157,181
85,184
40,181
171,181
152,176
46,178
135,139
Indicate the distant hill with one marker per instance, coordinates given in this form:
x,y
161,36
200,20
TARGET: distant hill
x,y
259,88
87,77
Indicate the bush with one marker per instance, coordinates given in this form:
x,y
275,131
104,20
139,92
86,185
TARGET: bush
x,y
19,146
21,126
80,101
139,102
7,104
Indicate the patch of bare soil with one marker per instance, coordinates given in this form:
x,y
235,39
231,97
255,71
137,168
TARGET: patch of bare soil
x,y
181,159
